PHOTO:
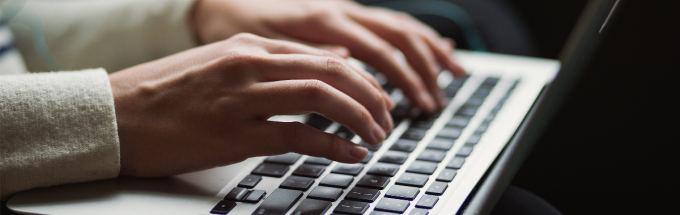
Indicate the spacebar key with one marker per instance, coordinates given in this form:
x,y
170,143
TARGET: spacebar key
x,y
279,202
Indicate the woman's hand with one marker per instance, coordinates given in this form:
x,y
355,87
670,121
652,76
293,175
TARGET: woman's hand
x,y
209,106
370,34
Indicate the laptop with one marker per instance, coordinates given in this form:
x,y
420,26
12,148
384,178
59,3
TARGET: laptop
x,y
457,161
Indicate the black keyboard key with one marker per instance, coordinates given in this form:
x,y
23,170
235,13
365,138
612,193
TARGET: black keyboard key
x,y
348,169
447,175
482,127
414,134
403,192
404,145
491,81
432,155
297,183
498,107
384,169
236,194
483,91
309,170
394,157
411,179
344,132
325,193
419,211
424,167
456,163
441,144
370,147
351,207
279,202
312,207
423,122
373,181
427,201
318,160
400,112
490,117
457,82
450,132
381,213
388,88
451,92
288,158
223,207
270,169
465,151
368,157
475,100
437,188
319,122
474,139
337,180
458,121
392,205
468,111
250,181
255,196
363,194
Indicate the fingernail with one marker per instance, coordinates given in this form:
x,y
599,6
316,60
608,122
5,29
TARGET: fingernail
x,y
358,152
388,99
390,123
440,97
429,101
378,133
452,64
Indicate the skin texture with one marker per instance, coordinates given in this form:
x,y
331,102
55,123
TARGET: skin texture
x,y
208,106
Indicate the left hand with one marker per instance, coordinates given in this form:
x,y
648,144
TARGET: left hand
x,y
370,34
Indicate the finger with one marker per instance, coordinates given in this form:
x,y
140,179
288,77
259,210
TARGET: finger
x,y
336,49
303,96
370,48
283,137
335,72
442,47
413,44
287,47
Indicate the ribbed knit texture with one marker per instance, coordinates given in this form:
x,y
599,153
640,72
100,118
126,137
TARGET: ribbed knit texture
x,y
56,128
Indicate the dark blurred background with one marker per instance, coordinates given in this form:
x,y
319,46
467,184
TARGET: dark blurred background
x,y
612,147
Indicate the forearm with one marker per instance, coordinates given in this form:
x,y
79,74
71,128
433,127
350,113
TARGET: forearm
x,y
56,128
113,34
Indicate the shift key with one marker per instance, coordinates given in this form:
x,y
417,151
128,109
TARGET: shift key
x,y
279,202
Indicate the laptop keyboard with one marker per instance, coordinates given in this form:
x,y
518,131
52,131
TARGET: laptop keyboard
x,y
351,188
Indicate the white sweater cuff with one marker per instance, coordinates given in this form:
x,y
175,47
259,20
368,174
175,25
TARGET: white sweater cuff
x,y
56,128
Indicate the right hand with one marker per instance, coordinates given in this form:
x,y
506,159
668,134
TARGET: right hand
x,y
208,106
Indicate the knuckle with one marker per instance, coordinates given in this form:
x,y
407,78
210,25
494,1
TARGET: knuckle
x,y
335,144
319,14
335,67
293,134
314,90
246,37
364,116
383,49
242,58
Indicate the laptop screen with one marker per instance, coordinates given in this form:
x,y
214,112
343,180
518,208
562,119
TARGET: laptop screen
x,y
575,57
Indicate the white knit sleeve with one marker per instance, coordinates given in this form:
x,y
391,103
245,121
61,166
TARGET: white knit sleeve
x,y
112,34
56,128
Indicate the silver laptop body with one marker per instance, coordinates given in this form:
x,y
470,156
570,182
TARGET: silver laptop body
x,y
505,118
